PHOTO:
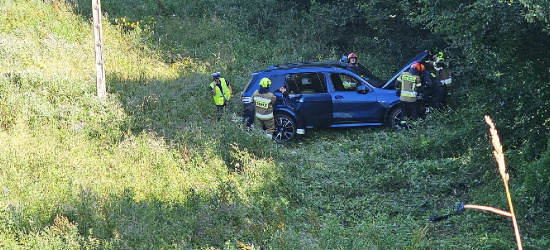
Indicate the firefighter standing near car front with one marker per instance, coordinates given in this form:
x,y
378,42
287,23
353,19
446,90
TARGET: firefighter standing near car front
x,y
221,92
430,97
408,86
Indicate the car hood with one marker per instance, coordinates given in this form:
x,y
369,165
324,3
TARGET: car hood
x,y
417,58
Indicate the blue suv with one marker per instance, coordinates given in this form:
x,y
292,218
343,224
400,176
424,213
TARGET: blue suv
x,y
327,94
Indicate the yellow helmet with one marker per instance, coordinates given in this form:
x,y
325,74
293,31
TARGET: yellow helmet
x,y
265,82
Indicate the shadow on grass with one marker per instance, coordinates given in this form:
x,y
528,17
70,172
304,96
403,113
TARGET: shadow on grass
x,y
200,221
179,112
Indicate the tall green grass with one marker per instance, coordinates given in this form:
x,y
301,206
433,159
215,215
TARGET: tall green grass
x,y
148,167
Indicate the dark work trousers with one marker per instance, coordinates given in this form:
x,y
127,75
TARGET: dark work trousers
x,y
438,97
268,125
250,117
444,93
221,109
409,110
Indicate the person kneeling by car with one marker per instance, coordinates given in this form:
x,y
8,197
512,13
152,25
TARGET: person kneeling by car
x,y
263,101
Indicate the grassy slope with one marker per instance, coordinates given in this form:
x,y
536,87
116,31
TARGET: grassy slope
x,y
147,167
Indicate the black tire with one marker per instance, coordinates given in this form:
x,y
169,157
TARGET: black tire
x,y
394,118
285,127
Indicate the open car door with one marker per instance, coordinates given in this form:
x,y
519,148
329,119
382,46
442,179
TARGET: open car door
x,y
308,94
418,58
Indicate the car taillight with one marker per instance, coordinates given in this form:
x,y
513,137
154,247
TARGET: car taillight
x,y
246,100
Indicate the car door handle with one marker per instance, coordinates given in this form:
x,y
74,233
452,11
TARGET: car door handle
x,y
338,97
296,99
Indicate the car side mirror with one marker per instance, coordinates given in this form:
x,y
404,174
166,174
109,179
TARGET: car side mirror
x,y
362,89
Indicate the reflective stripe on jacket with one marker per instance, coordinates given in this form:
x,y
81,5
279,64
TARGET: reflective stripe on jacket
x,y
408,86
218,97
349,85
264,104
447,81
444,76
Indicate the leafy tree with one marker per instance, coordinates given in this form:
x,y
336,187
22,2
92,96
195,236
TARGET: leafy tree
x,y
537,10
503,62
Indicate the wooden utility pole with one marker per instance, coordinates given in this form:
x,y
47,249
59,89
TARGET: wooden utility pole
x,y
99,63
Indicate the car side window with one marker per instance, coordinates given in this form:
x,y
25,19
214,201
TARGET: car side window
x,y
277,81
343,82
306,83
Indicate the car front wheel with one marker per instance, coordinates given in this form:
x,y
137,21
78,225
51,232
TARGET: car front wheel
x,y
394,119
285,127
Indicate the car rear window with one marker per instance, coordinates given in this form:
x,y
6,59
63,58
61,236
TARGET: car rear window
x,y
364,73
277,82
251,83
306,83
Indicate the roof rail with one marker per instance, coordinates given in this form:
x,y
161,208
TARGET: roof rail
x,y
306,64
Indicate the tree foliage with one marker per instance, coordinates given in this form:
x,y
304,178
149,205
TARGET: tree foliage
x,y
497,49
503,62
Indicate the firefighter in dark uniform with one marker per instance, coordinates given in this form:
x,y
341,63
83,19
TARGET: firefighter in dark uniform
x,y
443,75
432,95
263,101
436,80
409,85
221,92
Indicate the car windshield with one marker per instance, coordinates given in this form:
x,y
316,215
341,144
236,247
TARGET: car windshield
x,y
364,73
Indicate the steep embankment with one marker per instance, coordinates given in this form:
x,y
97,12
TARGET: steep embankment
x,y
148,168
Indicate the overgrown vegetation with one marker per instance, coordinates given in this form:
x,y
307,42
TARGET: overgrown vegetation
x,y
149,168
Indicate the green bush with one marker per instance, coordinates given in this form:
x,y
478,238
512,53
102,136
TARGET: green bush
x,y
536,182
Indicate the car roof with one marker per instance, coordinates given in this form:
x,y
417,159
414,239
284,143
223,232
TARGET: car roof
x,y
333,66
323,65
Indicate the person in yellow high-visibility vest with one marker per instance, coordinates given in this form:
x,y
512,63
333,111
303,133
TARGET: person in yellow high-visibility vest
x,y
221,92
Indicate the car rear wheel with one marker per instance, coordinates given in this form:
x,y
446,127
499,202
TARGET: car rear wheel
x,y
394,119
285,127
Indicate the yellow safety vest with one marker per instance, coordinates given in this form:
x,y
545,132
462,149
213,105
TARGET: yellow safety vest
x,y
218,97
349,85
